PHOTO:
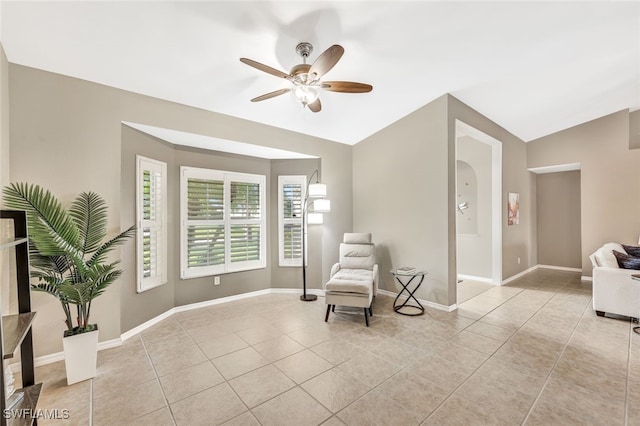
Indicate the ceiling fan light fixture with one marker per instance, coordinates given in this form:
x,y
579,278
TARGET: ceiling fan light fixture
x,y
306,80
306,94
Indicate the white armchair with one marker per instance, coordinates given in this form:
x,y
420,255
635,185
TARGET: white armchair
x,y
354,279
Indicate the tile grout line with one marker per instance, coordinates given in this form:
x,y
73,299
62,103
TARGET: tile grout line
x,y
91,402
487,360
155,372
564,348
226,381
470,375
221,375
627,382
405,368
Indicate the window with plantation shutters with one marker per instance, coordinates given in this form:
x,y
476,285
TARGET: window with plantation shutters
x,y
223,222
291,193
151,211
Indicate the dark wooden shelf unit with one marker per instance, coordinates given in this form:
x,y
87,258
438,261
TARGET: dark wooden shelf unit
x,y
15,330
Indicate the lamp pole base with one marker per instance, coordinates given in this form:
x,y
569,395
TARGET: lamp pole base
x,y
308,297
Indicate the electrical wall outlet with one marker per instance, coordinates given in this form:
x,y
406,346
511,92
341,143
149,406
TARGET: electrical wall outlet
x,y
518,261
216,280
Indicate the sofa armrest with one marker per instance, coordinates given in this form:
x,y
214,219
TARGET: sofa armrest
x,y
615,292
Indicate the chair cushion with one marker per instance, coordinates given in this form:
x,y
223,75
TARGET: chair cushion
x,y
351,281
357,256
357,238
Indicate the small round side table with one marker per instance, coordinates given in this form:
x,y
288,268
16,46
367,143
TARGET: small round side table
x,y
397,307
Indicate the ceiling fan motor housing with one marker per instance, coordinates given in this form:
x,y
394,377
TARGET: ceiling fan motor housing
x,y
300,72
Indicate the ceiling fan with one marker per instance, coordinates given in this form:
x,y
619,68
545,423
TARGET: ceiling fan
x,y
305,78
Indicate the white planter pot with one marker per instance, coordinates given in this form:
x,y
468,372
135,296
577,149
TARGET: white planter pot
x,y
80,356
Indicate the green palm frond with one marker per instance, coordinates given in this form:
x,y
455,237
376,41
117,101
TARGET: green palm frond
x,y
102,276
77,294
48,264
46,287
100,255
50,226
89,212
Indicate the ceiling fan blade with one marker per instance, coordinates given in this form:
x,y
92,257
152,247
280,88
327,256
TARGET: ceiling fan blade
x,y
265,68
271,95
326,61
315,106
346,86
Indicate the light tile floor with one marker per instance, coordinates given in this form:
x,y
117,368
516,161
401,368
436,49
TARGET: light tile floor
x,y
532,352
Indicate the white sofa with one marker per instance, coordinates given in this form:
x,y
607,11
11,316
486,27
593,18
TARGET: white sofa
x,y
614,291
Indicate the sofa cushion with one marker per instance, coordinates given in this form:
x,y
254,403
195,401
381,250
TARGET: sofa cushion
x,y
604,255
632,250
627,261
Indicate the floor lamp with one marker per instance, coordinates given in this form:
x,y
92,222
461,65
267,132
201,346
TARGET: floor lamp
x,y
320,205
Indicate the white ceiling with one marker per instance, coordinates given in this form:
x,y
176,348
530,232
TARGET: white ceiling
x,y
532,67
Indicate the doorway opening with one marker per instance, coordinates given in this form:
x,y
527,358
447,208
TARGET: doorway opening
x,y
478,211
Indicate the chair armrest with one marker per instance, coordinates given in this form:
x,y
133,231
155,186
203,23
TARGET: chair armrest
x,y
375,279
334,270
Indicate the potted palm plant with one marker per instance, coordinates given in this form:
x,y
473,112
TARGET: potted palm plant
x,y
68,255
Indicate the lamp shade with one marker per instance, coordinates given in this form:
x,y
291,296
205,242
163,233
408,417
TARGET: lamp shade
x,y
321,206
317,190
315,218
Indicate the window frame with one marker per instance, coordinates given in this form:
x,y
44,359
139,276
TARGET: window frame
x,y
160,224
282,221
187,172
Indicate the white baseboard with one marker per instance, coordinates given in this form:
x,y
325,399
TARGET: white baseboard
x,y
191,306
212,302
423,302
142,327
473,278
585,278
318,292
533,268
108,344
560,268
59,356
519,275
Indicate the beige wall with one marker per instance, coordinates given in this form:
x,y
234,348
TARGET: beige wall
x,y
400,196
137,308
405,194
634,129
518,241
66,134
6,284
558,212
610,178
4,119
